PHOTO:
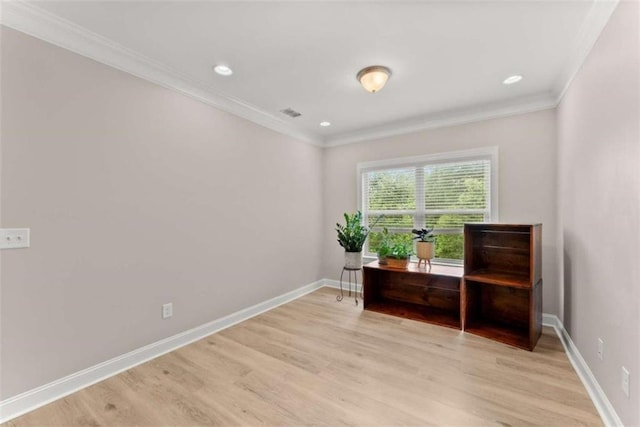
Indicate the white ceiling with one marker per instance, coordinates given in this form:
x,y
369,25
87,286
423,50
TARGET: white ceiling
x,y
448,59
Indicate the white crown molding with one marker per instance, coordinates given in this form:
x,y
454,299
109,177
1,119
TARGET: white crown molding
x,y
599,398
36,22
455,117
597,18
28,401
25,17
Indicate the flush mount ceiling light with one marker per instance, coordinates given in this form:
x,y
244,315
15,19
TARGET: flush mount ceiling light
x,y
223,70
325,124
512,79
373,78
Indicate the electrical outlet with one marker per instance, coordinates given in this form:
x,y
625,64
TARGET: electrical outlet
x,y
600,349
625,381
167,310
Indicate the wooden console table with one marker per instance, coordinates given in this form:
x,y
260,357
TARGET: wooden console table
x,y
416,293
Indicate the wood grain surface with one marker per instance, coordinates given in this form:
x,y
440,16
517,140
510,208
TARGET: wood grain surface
x,y
315,361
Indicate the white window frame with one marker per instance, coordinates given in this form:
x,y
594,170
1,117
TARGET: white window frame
x,y
485,153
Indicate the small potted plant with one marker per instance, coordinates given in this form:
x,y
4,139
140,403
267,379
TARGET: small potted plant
x,y
400,255
424,245
351,237
384,249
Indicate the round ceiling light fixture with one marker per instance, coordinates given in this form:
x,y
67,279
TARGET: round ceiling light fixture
x,y
512,79
325,124
373,78
223,70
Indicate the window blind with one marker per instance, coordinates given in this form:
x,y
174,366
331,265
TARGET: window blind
x,y
457,192
437,193
391,193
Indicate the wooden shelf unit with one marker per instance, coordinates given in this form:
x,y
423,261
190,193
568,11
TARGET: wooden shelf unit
x,y
501,291
416,293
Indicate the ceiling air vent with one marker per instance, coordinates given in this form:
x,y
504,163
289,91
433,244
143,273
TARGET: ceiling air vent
x,y
291,112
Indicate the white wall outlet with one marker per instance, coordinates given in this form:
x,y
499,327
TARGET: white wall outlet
x,y
625,381
14,238
167,310
600,349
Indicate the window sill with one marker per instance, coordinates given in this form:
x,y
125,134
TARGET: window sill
x,y
367,259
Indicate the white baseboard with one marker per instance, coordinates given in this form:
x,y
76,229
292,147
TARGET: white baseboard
x,y
599,398
28,401
345,286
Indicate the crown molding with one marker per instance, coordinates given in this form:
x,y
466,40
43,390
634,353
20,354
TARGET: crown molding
x,y
27,18
452,118
34,21
597,18
595,21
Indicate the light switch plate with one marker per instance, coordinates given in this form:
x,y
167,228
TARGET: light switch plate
x,y
14,238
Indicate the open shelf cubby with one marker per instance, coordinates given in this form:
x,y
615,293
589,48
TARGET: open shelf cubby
x,y
431,296
437,316
502,313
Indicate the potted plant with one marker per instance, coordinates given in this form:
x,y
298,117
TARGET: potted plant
x,y
424,245
400,255
385,247
351,237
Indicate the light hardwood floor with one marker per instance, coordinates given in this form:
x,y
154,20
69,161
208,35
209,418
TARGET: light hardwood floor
x,y
315,361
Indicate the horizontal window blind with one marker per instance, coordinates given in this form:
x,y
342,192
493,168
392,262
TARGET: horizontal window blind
x,y
443,194
391,193
455,193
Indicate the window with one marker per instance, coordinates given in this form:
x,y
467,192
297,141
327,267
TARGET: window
x,y
442,191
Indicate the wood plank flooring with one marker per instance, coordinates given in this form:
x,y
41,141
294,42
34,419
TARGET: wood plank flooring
x,y
315,361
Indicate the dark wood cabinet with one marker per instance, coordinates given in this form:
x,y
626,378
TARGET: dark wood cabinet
x,y
501,290
416,293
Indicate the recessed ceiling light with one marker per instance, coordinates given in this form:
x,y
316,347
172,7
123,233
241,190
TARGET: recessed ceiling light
x,y
223,70
512,79
325,124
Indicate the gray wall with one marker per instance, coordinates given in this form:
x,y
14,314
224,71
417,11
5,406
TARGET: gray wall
x,y
527,181
599,207
136,196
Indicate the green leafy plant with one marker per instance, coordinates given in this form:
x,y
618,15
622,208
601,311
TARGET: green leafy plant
x,y
385,246
353,234
401,250
424,235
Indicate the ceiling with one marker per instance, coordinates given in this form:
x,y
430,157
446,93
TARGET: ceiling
x,y
448,59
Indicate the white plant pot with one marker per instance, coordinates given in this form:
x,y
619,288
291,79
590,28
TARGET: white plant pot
x,y
353,260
